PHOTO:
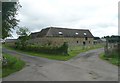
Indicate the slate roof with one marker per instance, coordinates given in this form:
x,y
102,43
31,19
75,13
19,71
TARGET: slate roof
x,y
63,32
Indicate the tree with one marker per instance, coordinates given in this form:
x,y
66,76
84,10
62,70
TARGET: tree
x,y
96,38
23,33
9,21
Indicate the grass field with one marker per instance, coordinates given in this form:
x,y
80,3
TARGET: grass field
x,y
72,51
14,64
112,60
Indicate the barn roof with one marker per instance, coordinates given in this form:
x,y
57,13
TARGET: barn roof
x,y
63,32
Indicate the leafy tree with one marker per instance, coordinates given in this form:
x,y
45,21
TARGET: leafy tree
x,y
96,38
23,33
9,21
64,48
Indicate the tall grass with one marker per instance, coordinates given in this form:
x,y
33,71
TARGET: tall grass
x,y
13,64
113,58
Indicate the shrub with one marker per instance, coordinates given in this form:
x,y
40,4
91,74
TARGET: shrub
x,y
112,53
64,48
17,44
47,49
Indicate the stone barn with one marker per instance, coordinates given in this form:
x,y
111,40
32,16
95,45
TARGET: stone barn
x,y
57,36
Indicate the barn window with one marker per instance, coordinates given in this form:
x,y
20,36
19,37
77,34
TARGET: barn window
x,y
83,43
89,42
86,38
76,33
60,33
85,34
77,41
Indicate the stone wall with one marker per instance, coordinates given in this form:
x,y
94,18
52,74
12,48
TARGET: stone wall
x,y
111,47
59,41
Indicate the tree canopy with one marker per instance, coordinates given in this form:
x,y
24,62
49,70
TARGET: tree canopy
x,y
23,33
113,38
9,21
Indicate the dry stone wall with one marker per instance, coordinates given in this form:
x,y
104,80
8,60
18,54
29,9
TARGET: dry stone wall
x,y
59,41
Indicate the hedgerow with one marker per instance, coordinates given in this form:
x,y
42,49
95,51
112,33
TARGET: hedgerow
x,y
63,49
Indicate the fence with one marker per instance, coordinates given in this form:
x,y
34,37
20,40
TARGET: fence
x,y
112,48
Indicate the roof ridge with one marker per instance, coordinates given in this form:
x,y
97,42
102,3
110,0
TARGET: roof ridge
x,y
66,28
48,32
67,32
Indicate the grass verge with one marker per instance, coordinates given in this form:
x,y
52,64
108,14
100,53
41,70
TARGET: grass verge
x,y
72,51
112,60
14,64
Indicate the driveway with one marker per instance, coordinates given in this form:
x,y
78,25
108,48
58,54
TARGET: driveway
x,y
84,67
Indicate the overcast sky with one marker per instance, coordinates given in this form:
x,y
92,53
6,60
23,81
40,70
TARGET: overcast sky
x,y
99,16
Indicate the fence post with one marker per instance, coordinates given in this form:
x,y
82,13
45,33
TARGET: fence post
x,y
106,48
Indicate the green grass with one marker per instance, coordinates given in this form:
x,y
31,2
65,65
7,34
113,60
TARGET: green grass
x,y
14,64
72,51
112,60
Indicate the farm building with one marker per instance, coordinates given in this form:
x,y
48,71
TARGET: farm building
x,y
57,36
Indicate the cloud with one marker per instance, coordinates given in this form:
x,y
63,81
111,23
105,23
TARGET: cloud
x,y
96,15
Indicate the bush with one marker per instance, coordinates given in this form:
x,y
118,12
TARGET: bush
x,y
64,48
17,44
112,53
114,59
47,49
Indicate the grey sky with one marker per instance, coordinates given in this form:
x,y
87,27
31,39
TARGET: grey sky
x,y
99,16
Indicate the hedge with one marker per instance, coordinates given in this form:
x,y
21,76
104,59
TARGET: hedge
x,y
46,49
